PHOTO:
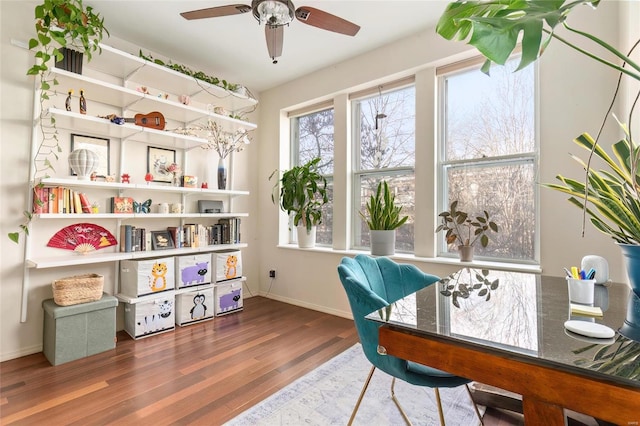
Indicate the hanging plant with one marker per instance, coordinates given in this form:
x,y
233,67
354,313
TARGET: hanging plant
x,y
59,24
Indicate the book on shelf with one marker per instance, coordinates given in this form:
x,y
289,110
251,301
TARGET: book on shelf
x,y
121,204
59,200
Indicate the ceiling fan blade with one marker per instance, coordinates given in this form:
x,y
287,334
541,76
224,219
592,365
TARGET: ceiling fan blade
x,y
326,21
214,12
275,40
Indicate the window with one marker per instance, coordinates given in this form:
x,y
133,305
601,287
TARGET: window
x,y
384,147
488,154
311,137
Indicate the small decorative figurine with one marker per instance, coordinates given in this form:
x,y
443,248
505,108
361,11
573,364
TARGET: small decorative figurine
x,y
67,103
125,178
204,185
185,99
93,176
148,178
83,102
110,178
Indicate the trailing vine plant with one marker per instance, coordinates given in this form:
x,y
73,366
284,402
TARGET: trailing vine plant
x,y
232,87
58,24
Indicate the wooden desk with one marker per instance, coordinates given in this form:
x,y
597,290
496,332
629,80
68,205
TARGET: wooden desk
x,y
543,369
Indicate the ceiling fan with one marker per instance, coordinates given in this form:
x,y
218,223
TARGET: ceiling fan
x,y
275,14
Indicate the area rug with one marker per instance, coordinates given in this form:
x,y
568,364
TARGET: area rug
x,y
327,395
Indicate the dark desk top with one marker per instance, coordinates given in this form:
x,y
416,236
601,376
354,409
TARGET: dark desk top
x,y
523,316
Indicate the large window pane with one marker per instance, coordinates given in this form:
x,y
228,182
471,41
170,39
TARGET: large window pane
x,y
507,192
312,137
384,136
488,155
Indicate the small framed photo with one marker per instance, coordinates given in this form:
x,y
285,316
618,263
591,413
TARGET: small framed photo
x,y
158,159
161,240
98,145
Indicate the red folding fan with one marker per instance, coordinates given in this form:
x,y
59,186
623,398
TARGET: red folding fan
x,y
82,237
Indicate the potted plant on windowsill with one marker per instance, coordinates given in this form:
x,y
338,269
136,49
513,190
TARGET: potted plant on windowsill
x,y
611,198
465,230
303,192
383,218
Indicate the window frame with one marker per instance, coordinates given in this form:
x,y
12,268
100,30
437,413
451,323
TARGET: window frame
x,y
442,166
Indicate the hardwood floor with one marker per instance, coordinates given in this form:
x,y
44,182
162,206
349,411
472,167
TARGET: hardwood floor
x,y
204,374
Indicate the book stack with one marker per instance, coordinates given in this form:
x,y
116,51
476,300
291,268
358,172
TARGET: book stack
x,y
59,200
226,231
134,239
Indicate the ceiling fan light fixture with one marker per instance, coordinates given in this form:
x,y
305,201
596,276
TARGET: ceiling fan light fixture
x,y
273,12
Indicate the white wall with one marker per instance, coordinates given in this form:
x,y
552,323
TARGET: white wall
x,y
574,95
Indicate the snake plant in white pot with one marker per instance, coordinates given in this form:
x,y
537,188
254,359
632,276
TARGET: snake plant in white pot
x,y
383,218
609,197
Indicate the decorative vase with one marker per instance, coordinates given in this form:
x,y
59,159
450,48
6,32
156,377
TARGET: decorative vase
x,y
383,242
222,174
466,253
631,253
306,239
631,326
83,162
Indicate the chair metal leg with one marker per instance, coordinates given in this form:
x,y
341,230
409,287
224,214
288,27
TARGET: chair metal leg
x,y
475,406
364,389
393,396
440,413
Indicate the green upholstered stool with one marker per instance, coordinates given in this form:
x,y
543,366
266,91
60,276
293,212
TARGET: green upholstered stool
x,y
77,331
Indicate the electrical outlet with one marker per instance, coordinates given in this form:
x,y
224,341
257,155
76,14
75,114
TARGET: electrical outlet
x,y
272,273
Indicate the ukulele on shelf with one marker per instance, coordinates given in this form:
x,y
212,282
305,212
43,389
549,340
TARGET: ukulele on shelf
x,y
154,120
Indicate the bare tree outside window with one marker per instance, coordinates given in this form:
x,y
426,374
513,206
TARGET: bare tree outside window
x,y
489,154
312,137
384,134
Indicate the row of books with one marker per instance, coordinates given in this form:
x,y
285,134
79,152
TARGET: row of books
x,y
226,231
59,200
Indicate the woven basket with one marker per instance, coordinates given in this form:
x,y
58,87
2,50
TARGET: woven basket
x,y
78,289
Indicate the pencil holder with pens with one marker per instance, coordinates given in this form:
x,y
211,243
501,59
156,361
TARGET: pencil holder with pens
x,y
581,291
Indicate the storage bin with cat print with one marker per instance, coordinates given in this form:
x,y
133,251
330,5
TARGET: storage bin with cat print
x,y
227,265
149,315
149,276
194,305
193,270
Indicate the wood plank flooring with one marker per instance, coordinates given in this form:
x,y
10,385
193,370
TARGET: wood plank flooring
x,y
203,374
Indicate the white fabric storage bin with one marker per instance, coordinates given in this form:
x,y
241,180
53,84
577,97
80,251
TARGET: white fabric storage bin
x,y
227,265
195,305
228,297
193,269
148,276
149,315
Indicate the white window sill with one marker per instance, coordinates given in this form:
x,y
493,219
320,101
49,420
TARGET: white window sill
x,y
502,266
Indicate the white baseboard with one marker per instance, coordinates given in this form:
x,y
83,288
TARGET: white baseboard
x,y
307,305
6,356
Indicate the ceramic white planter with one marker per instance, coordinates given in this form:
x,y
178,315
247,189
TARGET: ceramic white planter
x,y
306,239
466,253
383,243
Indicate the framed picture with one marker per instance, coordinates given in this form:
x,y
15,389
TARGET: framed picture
x,y
98,145
161,240
158,159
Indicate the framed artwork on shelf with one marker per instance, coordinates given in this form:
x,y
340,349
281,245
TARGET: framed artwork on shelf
x,y
98,145
158,159
161,240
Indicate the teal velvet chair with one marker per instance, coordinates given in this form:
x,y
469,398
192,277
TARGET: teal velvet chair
x,y
370,284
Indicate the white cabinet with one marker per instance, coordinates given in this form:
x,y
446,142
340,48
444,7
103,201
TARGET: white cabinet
x,y
111,84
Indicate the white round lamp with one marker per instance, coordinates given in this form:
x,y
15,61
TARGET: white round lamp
x,y
83,162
